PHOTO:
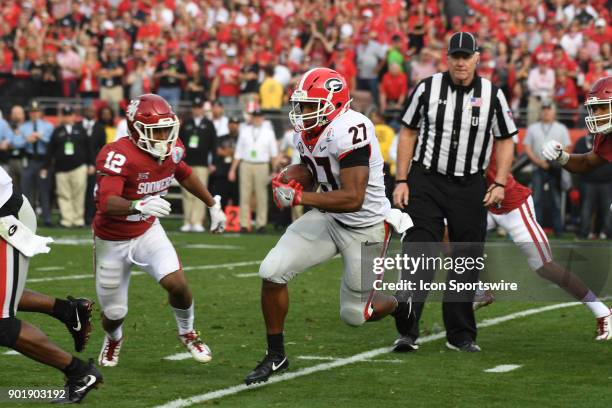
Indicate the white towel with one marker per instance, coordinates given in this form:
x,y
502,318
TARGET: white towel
x,y
400,221
22,238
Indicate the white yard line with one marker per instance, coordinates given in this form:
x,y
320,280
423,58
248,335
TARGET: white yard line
x,y
504,368
211,246
49,268
196,399
231,265
246,275
178,357
330,358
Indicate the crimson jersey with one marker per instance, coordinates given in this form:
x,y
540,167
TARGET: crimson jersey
x,y
602,146
127,171
515,194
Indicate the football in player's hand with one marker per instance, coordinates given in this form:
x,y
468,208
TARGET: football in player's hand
x,y
300,173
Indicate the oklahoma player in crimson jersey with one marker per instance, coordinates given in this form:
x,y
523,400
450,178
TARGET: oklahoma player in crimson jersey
x,y
132,175
339,146
599,122
515,214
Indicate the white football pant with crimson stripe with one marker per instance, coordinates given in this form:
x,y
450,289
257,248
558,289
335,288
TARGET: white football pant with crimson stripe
x,y
316,237
14,266
525,232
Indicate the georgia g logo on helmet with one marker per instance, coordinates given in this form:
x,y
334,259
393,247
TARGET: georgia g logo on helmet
x,y
334,85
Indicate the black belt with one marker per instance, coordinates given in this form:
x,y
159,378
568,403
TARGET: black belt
x,y
13,204
453,179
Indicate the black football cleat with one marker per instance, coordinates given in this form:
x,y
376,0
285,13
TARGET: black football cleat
x,y
79,323
467,347
271,364
77,387
404,344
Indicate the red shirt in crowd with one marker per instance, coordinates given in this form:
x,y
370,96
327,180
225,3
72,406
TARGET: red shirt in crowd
x,y
148,31
89,80
565,62
601,39
566,94
543,54
394,86
229,84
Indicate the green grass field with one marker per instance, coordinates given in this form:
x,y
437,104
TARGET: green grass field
x,y
560,363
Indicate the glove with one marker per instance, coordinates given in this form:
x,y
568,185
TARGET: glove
x,y
153,205
286,195
217,217
553,150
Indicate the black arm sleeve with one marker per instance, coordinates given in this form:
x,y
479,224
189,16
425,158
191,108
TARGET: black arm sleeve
x,y
358,157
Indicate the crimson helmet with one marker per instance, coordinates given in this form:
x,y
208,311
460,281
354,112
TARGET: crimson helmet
x,y
599,95
147,113
325,87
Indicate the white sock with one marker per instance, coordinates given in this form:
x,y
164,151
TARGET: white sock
x,y
184,319
116,334
596,306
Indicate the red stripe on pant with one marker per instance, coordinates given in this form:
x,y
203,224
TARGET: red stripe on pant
x,y
541,233
533,237
366,312
3,275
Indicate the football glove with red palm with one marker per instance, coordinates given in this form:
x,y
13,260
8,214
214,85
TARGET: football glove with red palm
x,y
286,194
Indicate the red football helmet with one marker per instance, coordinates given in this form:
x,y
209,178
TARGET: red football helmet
x,y
147,113
324,87
599,106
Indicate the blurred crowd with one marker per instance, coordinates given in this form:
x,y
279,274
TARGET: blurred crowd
x,y
241,55
107,51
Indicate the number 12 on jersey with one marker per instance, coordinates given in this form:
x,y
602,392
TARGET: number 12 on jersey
x,y
114,161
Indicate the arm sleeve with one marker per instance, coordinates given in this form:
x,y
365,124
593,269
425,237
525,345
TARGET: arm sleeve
x,y
109,186
109,183
503,124
182,171
411,117
357,157
352,137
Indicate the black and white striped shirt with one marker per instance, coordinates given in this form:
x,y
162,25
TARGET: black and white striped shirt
x,y
456,124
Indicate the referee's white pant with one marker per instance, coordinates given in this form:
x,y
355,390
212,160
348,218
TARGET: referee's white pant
x,y
14,266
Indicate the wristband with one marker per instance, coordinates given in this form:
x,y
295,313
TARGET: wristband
x,y
499,184
401,181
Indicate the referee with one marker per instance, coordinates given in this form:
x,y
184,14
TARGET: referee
x,y
450,123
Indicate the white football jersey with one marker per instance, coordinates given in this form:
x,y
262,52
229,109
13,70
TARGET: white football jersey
x,y
347,132
6,187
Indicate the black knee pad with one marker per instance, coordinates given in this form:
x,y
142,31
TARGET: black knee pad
x,y
9,331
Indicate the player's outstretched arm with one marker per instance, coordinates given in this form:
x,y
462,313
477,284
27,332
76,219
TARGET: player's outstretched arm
x,y
583,163
194,185
575,163
349,198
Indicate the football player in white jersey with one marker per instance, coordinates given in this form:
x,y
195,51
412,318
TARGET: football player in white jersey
x,y
339,146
